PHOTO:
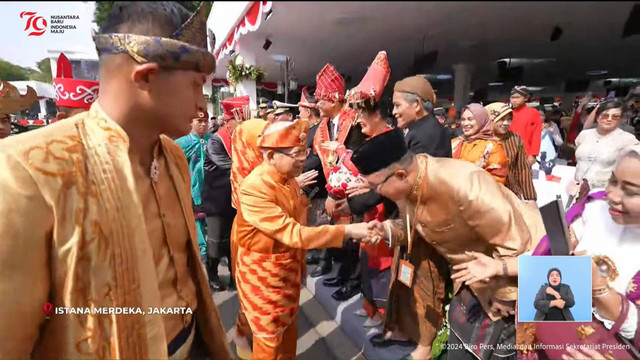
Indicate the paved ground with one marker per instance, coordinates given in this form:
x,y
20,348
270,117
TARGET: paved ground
x,y
311,344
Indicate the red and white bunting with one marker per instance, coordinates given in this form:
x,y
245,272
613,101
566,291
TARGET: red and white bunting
x,y
250,22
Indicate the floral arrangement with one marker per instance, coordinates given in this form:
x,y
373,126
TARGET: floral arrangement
x,y
340,179
239,71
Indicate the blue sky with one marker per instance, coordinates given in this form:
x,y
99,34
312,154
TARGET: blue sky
x,y
19,48
532,273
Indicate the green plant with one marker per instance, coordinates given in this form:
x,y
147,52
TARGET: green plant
x,y
238,72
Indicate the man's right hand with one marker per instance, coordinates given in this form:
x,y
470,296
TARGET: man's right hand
x,y
376,232
356,231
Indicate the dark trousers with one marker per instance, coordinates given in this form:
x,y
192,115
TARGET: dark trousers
x,y
218,243
349,270
365,287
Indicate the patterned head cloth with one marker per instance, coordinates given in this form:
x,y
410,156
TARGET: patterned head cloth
x,y
372,85
485,127
329,84
11,100
284,135
522,90
186,49
70,92
304,99
497,111
236,108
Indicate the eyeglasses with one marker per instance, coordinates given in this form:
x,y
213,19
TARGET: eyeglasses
x,y
379,186
297,154
615,117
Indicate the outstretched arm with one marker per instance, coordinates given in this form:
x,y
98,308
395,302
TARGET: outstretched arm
x,y
260,209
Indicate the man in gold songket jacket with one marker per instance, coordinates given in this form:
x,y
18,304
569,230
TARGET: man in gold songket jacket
x,y
95,212
272,238
457,210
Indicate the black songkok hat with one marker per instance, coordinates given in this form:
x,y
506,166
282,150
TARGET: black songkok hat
x,y
380,152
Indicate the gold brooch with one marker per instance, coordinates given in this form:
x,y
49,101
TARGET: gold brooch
x,y
584,331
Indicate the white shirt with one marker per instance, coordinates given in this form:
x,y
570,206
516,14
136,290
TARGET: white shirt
x,y
334,127
596,155
598,234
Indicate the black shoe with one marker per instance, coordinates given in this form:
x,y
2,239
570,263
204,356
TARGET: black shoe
x,y
378,340
346,292
321,269
332,282
216,284
312,259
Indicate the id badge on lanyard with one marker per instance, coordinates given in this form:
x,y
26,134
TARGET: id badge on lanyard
x,y
405,269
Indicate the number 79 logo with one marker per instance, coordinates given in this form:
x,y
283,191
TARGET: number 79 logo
x,y
38,23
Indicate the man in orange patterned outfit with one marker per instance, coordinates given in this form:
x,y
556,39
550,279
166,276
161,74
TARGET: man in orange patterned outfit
x,y
245,156
272,238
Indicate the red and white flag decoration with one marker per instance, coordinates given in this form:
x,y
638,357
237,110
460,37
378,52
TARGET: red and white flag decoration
x,y
250,22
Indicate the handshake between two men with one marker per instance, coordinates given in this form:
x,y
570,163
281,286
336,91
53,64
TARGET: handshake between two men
x,y
370,233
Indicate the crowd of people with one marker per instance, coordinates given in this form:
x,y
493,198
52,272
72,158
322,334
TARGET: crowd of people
x,y
137,198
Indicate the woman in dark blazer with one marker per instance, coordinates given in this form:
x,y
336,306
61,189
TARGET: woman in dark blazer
x,y
554,299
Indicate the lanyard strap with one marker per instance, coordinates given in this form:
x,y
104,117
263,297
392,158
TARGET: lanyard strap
x,y
418,185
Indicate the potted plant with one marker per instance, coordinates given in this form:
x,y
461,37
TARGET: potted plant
x,y
239,71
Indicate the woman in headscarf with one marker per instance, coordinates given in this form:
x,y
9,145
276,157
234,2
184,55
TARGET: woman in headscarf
x,y
478,144
554,299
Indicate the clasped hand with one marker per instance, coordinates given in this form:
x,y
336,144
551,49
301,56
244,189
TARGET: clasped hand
x,y
369,233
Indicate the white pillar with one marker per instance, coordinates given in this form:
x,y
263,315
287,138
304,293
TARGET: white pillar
x,y
462,83
43,108
207,89
247,87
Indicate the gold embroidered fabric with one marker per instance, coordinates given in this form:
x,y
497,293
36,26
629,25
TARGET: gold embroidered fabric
x,y
70,205
476,215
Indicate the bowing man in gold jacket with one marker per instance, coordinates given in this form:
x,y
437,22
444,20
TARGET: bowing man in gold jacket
x,y
272,238
95,211
458,210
